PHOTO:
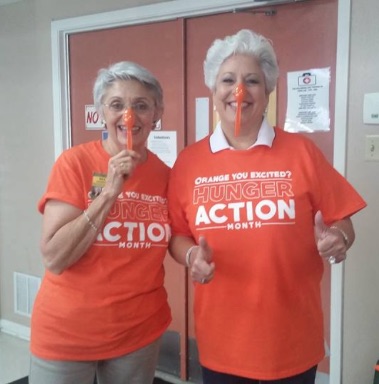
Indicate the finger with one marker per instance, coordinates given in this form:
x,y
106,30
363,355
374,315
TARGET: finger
x,y
206,279
203,243
320,227
336,259
202,276
123,167
205,249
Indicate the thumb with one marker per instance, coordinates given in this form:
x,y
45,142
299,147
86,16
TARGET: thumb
x,y
205,249
320,227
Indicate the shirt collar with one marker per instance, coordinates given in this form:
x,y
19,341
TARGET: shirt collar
x,y
218,140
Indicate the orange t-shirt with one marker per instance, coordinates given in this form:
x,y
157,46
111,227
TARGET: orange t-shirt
x,y
261,315
112,301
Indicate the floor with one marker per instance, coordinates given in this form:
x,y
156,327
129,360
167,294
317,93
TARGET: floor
x,y
14,358
14,361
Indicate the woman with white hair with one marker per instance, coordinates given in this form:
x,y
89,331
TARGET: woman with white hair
x,y
252,209
102,306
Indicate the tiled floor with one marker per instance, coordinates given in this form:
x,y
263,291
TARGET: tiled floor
x,y
14,358
14,361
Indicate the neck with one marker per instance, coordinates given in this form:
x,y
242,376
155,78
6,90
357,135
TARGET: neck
x,y
242,142
247,137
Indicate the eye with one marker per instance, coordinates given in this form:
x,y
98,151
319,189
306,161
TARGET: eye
x,y
117,106
252,81
141,107
227,80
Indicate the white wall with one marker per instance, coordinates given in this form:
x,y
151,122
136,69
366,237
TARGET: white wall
x,y
27,153
361,304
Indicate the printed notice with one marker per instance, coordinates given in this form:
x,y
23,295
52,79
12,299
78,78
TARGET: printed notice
x,y
164,145
308,101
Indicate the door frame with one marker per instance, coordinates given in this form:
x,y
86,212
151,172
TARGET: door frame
x,y
61,30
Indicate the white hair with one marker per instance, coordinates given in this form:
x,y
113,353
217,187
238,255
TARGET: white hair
x,y
243,42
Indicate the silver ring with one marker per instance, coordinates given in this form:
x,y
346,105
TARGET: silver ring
x,y
332,260
202,280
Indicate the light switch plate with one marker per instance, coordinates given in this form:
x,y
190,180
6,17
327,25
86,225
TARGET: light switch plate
x,y
372,148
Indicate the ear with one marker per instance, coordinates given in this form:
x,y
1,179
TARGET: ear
x,y
158,114
267,98
213,101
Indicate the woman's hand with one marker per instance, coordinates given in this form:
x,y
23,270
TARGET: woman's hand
x,y
333,242
201,266
120,167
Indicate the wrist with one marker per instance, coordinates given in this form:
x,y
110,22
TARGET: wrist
x,y
89,221
345,237
188,255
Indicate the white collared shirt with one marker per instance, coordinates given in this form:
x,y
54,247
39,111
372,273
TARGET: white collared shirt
x,y
265,136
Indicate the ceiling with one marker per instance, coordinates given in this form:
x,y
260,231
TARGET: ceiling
x,y
5,2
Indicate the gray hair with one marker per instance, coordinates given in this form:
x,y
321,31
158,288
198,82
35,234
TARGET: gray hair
x,y
125,70
243,42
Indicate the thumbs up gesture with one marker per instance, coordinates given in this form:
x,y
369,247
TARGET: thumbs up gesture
x,y
330,244
202,267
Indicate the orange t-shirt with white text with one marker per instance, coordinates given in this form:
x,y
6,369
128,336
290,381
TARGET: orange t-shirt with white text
x,y
112,301
261,316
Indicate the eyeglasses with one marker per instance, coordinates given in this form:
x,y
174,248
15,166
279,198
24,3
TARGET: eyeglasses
x,y
139,107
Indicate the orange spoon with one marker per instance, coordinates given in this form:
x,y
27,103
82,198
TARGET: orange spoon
x,y
239,93
129,123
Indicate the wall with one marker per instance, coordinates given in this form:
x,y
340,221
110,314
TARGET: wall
x,y
361,304
27,153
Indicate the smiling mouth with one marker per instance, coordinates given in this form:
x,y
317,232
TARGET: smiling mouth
x,y
124,129
233,104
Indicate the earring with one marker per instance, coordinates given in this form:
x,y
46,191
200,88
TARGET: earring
x,y
157,125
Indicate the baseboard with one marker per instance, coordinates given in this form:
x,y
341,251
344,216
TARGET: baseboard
x,y
168,378
322,378
14,329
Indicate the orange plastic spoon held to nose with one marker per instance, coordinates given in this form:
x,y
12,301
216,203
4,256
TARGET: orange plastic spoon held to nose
x,y
239,93
129,123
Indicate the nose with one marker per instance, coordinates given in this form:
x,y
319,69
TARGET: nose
x,y
129,117
240,92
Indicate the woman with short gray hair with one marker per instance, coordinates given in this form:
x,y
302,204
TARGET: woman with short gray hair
x,y
102,306
259,210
